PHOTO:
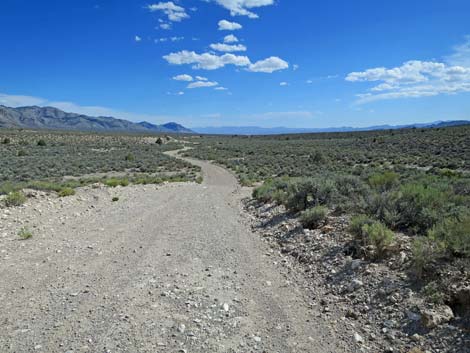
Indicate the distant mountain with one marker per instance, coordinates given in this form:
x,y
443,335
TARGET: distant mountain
x,y
256,130
55,119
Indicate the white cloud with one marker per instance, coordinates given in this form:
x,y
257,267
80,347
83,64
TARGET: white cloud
x,y
241,7
183,77
225,25
230,39
295,67
20,101
208,61
174,12
284,84
137,38
269,65
413,79
220,88
166,26
180,93
461,55
227,47
202,84
201,78
205,61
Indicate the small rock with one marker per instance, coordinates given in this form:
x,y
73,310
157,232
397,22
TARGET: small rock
x,y
432,318
358,338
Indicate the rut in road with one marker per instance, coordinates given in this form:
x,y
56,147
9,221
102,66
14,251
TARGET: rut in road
x,y
173,268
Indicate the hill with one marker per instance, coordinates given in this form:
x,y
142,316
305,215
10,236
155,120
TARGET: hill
x,y
55,119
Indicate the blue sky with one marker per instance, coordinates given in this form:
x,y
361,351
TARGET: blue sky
x,y
292,63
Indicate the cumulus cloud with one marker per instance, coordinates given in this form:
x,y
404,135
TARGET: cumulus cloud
x,y
137,38
206,61
209,61
228,47
243,7
202,84
201,78
225,25
269,65
230,39
220,88
283,84
174,12
413,79
184,77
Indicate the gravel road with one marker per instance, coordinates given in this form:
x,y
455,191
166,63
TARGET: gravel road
x,y
173,268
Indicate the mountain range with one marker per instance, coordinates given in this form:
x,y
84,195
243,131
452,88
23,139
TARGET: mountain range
x,y
51,118
256,130
55,119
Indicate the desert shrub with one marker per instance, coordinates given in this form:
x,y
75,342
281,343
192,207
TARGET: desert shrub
x,y
379,236
419,207
446,172
115,199
383,207
15,198
356,225
66,192
453,235
384,181
302,193
159,141
113,182
352,193
199,179
313,217
41,143
22,153
297,195
270,190
25,233
424,251
6,141
129,157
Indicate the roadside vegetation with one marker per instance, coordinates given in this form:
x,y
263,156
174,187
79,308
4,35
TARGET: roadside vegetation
x,y
415,183
63,161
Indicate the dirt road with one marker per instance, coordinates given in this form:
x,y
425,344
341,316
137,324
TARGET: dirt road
x,y
173,268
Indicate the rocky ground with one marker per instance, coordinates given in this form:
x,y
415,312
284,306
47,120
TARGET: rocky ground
x,y
170,268
378,301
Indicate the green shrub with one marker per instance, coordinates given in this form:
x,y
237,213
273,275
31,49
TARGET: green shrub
x,y
6,141
419,207
129,157
113,182
25,233
42,143
15,198
453,235
115,199
66,192
379,236
22,153
199,179
269,191
424,251
356,225
302,193
384,181
313,217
